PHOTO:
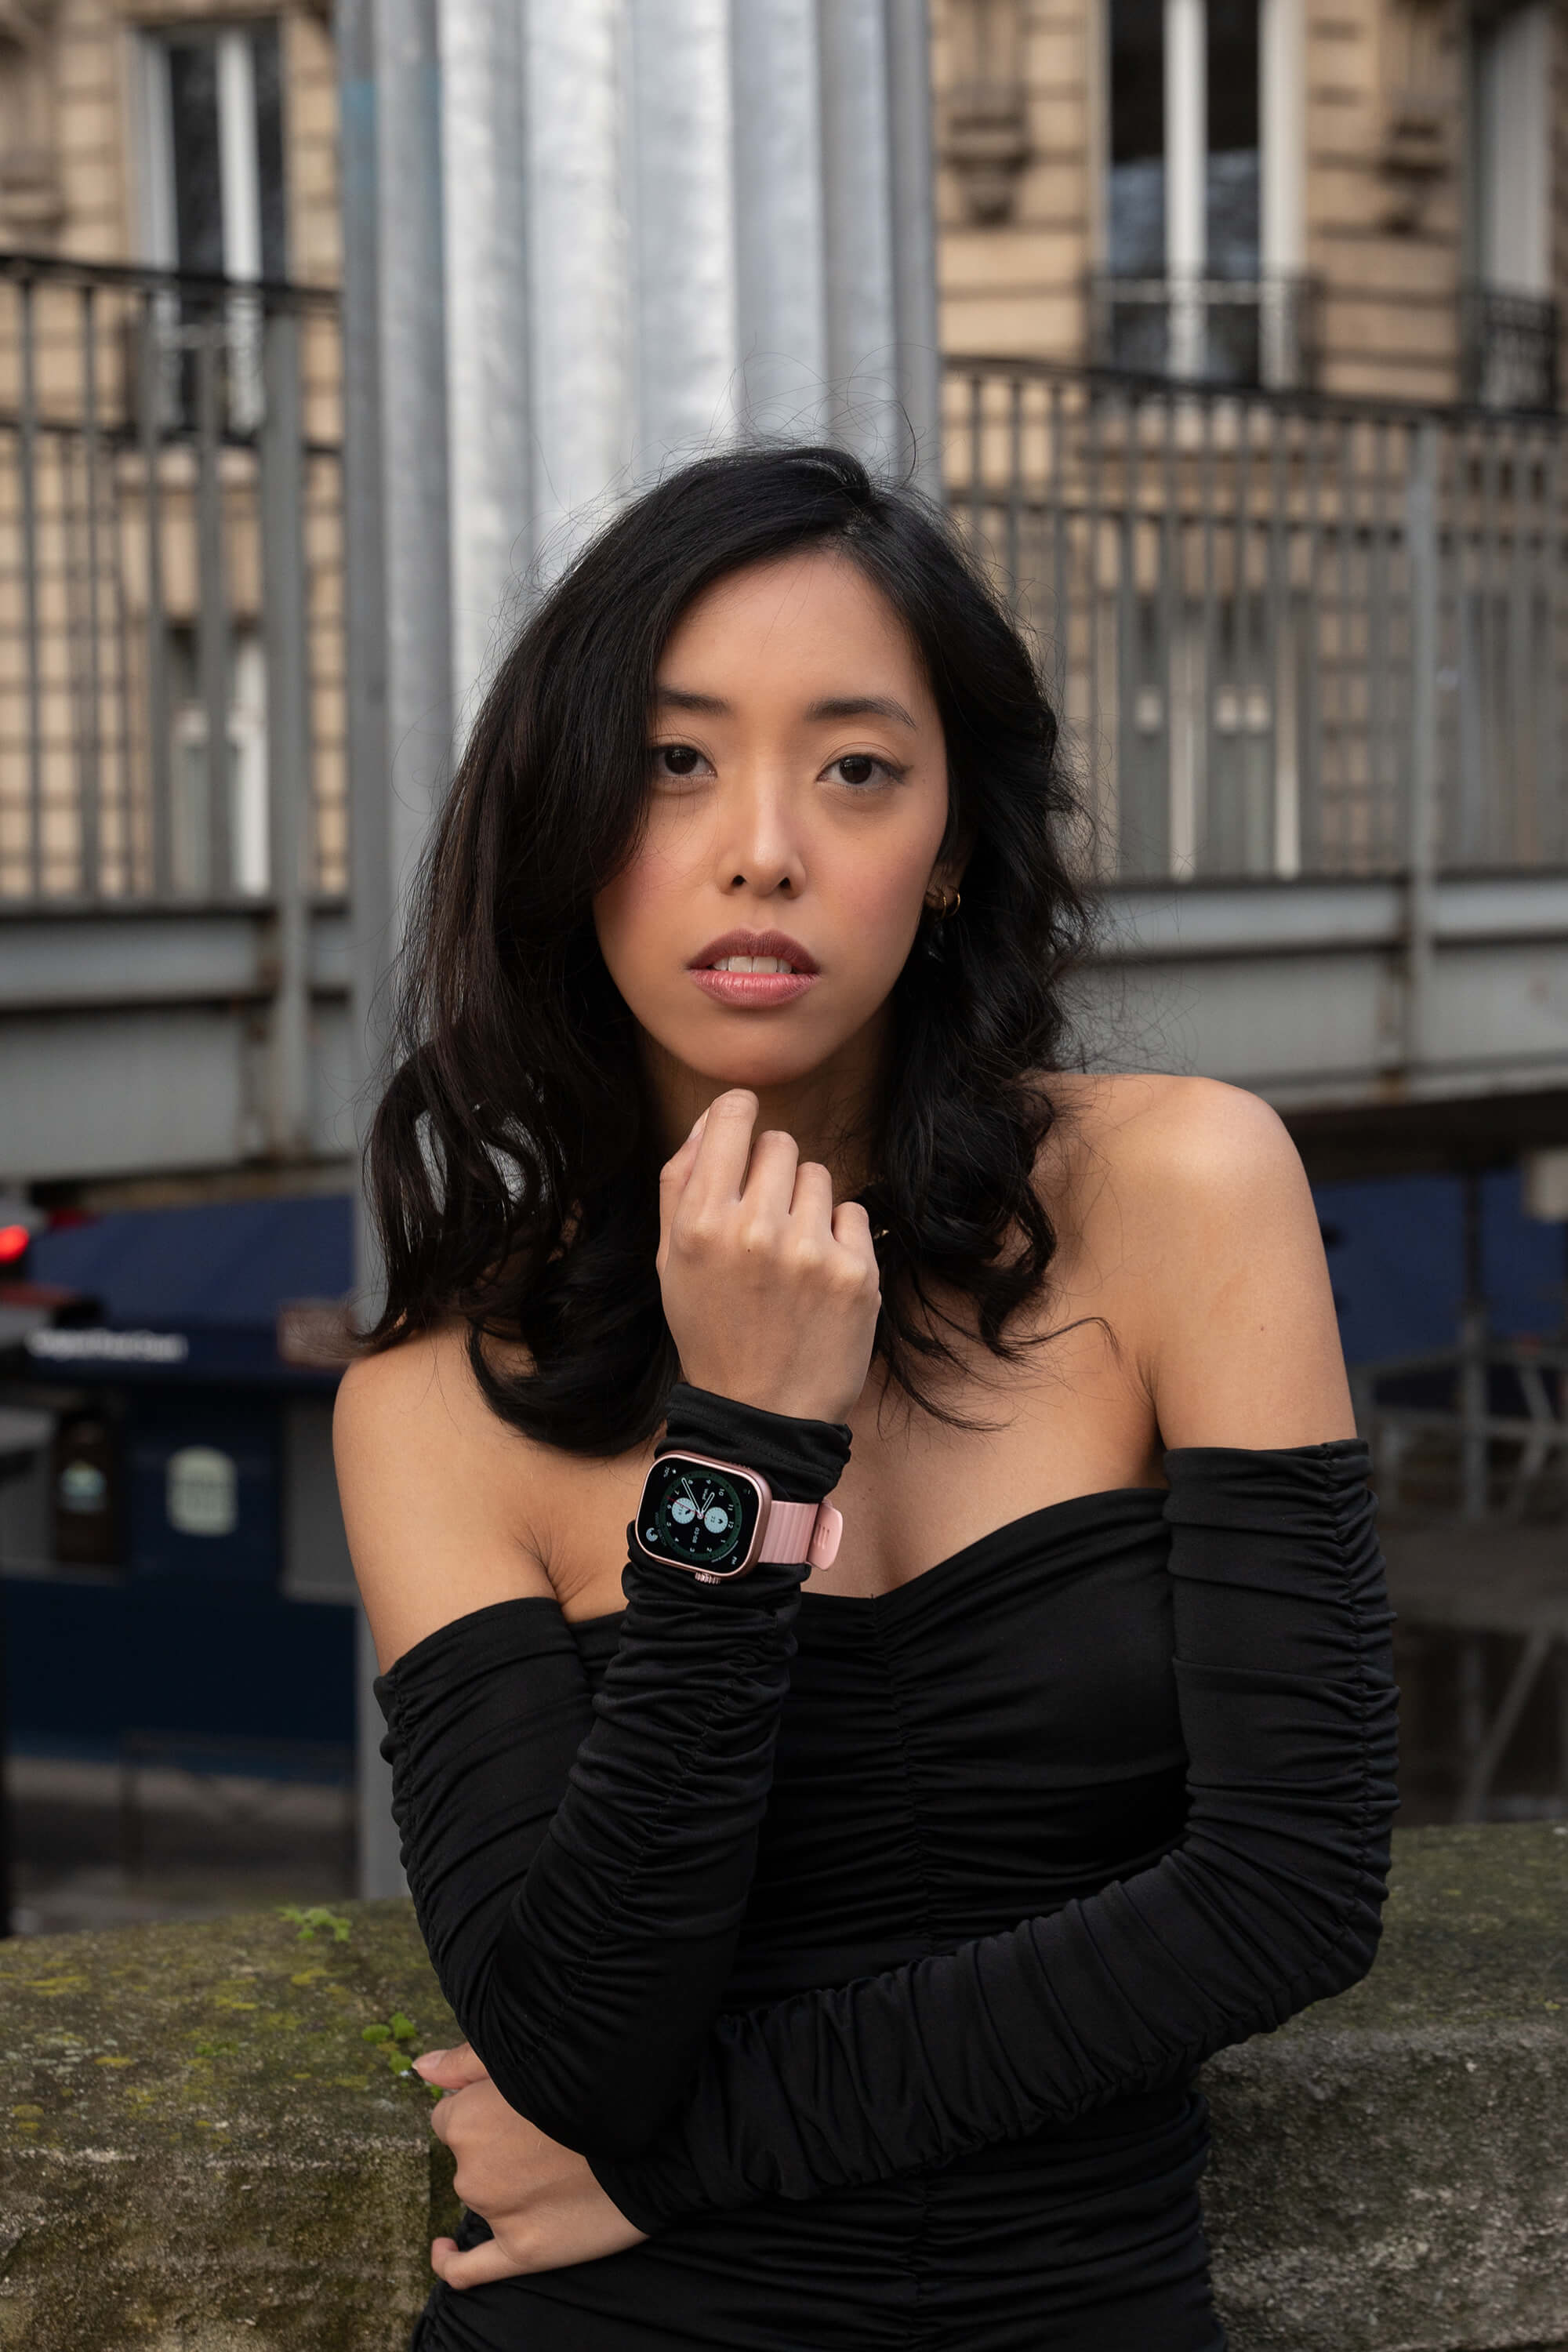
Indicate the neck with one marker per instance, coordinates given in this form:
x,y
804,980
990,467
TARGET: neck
x,y
831,1111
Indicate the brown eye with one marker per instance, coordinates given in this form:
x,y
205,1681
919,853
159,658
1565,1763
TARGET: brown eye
x,y
677,759
858,768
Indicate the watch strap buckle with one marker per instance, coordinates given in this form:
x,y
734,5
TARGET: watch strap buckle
x,y
809,1531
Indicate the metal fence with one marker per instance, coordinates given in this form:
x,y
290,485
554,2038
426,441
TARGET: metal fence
x,y
170,587
1222,331
1289,635
1507,344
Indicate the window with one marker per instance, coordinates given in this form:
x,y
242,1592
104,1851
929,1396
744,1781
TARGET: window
x,y
212,207
1232,224
1137,209
1200,231
213,151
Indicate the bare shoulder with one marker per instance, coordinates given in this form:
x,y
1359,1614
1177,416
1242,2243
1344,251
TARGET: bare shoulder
x,y
1191,1197
1165,1146
417,1408
440,1495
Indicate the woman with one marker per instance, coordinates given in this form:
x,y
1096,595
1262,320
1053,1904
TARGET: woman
x,y
835,1963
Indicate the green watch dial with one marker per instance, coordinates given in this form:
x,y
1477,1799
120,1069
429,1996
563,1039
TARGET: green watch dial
x,y
696,1516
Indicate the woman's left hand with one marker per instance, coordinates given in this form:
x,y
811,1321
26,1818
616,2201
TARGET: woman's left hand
x,y
543,2205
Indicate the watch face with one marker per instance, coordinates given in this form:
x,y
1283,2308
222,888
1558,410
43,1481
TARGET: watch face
x,y
704,1518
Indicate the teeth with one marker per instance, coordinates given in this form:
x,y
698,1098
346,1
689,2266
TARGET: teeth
x,y
752,963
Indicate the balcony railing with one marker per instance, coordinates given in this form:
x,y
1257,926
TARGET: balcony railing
x,y
1288,635
1508,343
171,623
1229,331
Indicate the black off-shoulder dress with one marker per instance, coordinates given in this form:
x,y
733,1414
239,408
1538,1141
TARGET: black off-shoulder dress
x,y
869,1948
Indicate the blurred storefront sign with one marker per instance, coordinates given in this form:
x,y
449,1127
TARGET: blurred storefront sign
x,y
173,1374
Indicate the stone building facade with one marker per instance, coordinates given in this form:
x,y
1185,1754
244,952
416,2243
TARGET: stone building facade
x,y
1356,197
123,126
1369,194
1388,177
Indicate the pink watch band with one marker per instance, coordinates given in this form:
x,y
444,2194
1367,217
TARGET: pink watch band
x,y
809,1531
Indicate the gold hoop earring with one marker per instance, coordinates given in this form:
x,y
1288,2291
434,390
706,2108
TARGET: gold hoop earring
x,y
944,903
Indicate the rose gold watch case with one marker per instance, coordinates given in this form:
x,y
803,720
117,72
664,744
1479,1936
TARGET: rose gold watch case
x,y
730,1470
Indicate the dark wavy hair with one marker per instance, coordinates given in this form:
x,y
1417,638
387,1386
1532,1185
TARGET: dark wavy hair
x,y
512,1162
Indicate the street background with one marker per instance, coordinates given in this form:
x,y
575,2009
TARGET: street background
x,y
1230,330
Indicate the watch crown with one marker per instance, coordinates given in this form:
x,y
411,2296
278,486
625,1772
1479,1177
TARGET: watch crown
x,y
703,1577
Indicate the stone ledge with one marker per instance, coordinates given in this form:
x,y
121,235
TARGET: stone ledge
x,y
1391,2170
199,2152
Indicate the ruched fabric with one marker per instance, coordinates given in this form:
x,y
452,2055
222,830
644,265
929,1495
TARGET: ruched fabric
x,y
1286,1694
580,1864
1045,1826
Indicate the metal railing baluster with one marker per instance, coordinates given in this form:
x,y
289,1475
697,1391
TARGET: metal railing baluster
x,y
91,757
137,538
1493,718
1140,845
1105,782
160,749
1523,846
1282,777
287,727
1060,620
212,610
1204,797
1351,818
1170,667
28,460
1549,573
1379,765
1015,487
1312,667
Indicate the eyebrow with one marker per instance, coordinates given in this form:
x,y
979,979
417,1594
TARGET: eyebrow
x,y
833,706
680,698
862,705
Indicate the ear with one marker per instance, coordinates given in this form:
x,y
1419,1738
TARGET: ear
x,y
947,874
952,859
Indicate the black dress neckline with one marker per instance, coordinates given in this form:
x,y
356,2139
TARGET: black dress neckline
x,y
1027,1524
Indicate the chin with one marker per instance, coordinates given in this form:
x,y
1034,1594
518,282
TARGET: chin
x,y
775,1061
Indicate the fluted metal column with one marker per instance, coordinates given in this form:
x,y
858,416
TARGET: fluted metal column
x,y
577,253
489,425
681,204
781,292
417,517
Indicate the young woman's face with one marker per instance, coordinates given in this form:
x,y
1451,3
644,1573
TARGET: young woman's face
x,y
797,804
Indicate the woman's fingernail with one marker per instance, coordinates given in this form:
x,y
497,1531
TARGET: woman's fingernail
x,y
429,2058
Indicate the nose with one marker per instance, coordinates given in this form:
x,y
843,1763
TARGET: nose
x,y
760,849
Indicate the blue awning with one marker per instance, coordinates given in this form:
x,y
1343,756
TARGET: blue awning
x,y
189,1294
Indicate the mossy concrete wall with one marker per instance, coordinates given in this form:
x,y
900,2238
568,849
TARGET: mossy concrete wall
x,y
1390,2171
201,2152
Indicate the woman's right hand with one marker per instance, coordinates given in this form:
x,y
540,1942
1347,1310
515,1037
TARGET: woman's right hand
x,y
771,1292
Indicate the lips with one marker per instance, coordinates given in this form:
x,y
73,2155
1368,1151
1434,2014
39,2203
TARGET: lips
x,y
726,970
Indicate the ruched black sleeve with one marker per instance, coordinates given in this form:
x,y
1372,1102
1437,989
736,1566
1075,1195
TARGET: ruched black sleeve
x,y
1271,1900
584,1938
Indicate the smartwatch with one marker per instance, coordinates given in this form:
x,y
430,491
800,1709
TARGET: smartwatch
x,y
718,1520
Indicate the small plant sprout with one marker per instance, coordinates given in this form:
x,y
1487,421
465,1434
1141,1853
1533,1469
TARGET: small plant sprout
x,y
317,1918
